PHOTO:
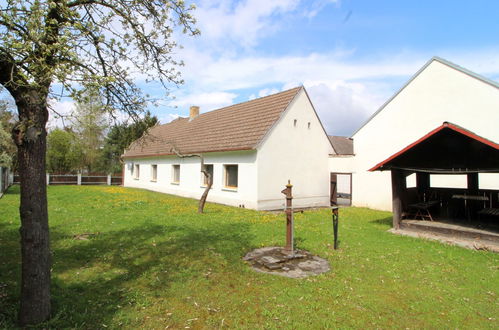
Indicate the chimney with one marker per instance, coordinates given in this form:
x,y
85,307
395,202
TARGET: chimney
x,y
194,112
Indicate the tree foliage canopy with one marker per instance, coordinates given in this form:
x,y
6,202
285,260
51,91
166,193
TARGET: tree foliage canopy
x,y
89,125
120,137
5,157
100,44
7,147
63,152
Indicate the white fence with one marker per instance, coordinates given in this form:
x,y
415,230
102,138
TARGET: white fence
x,y
6,179
80,179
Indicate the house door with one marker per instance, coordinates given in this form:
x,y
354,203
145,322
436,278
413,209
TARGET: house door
x,y
334,189
341,189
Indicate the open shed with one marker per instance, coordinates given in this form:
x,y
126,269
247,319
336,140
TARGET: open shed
x,y
448,150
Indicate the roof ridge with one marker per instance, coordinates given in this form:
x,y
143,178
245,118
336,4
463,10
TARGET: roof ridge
x,y
465,71
240,103
240,126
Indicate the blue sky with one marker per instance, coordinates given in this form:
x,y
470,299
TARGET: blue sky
x,y
351,56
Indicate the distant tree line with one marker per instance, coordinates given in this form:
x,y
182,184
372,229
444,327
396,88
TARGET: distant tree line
x,y
7,147
90,144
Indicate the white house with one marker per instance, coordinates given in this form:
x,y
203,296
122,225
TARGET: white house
x,y
252,149
439,92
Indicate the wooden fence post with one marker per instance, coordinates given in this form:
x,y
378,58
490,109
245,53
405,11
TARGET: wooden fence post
x,y
109,179
78,179
48,179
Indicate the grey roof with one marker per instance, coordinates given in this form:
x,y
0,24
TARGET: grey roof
x,y
342,145
434,58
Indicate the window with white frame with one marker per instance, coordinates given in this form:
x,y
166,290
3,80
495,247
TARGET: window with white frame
x,y
154,172
176,174
230,176
204,179
137,172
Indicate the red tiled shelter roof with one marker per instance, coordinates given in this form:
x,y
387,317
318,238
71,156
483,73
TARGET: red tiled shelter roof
x,y
447,145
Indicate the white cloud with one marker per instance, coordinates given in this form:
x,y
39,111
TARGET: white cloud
x,y
267,91
165,118
342,106
60,113
245,22
354,88
232,73
206,101
317,6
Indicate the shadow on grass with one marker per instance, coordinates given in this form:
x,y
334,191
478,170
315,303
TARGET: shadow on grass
x,y
14,189
10,273
384,221
94,279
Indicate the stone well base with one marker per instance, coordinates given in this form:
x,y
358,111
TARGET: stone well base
x,y
277,261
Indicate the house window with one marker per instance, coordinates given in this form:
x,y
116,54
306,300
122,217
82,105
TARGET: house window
x,y
137,171
204,179
176,174
231,176
154,172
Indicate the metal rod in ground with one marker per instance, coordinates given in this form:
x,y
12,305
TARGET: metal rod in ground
x,y
289,217
335,225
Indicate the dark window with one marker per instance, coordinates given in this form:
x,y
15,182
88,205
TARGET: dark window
x,y
231,176
154,172
175,173
137,171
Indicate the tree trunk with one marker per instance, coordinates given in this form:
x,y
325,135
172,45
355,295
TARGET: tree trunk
x,y
30,136
202,200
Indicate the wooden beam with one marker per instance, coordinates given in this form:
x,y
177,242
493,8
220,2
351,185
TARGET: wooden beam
x,y
423,184
473,181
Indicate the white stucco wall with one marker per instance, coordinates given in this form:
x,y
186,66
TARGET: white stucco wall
x,y
191,178
298,153
439,93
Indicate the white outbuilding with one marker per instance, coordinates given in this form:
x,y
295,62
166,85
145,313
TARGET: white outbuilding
x,y
251,149
441,96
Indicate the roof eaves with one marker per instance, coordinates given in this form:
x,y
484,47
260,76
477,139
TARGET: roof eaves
x,y
193,152
446,124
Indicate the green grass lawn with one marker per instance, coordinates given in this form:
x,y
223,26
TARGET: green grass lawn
x,y
154,262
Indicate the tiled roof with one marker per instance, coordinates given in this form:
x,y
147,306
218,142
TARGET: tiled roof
x,y
237,127
342,145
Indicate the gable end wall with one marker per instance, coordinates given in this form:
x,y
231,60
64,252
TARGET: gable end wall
x,y
294,152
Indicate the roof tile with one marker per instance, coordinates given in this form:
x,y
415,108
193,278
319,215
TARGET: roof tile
x,y
237,127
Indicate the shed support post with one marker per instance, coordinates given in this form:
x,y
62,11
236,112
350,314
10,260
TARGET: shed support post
x,y
423,183
473,182
398,193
